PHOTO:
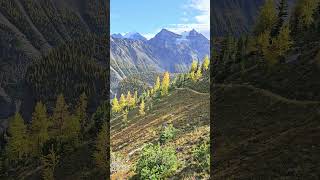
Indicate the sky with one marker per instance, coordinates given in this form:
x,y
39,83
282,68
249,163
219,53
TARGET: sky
x,y
148,17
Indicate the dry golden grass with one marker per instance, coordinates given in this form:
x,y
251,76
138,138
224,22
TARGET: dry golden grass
x,y
187,110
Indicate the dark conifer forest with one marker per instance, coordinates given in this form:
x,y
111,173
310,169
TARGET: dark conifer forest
x,y
54,89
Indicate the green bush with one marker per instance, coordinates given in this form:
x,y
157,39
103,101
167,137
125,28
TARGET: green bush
x,y
168,133
156,162
201,155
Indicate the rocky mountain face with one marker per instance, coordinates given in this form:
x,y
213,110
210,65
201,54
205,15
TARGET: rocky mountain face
x,y
176,52
29,29
167,51
130,57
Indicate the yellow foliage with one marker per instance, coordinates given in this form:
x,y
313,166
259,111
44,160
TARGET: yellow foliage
x,y
206,63
115,105
122,102
165,84
141,108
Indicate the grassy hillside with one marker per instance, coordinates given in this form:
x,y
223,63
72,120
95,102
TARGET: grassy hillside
x,y
263,135
186,109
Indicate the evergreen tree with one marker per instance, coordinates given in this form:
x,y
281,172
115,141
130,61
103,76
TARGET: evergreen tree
x,y
101,154
206,63
81,111
283,42
18,145
101,116
133,102
144,94
141,108
157,84
194,66
115,105
148,93
130,100
241,51
71,130
60,114
199,73
308,8
129,97
241,48
317,21
49,163
136,96
267,49
39,127
214,54
282,15
302,17
263,42
165,84
252,46
192,75
267,18
228,50
122,102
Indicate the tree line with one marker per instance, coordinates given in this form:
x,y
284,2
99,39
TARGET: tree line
x,y
161,88
274,34
49,137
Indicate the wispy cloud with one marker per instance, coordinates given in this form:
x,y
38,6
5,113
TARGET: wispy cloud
x,y
200,22
203,6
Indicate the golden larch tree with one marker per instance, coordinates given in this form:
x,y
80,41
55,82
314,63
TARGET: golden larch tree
x,y
165,84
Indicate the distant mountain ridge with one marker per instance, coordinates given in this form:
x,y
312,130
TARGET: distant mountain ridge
x,y
130,35
166,51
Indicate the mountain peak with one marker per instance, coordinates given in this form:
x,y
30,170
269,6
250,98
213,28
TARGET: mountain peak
x,y
165,31
193,34
193,31
135,36
165,34
118,35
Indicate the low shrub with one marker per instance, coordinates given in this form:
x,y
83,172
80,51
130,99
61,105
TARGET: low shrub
x,y
201,155
156,162
167,134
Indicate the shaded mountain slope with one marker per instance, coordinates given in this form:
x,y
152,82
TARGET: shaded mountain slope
x,y
129,57
256,137
29,29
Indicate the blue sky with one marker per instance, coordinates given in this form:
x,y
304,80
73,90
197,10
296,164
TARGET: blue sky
x,y
148,17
